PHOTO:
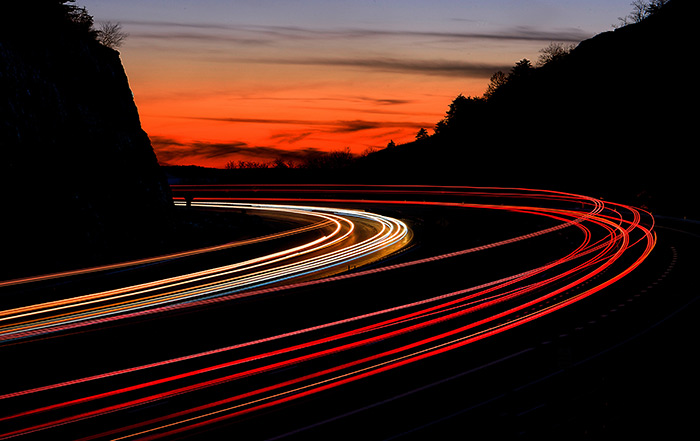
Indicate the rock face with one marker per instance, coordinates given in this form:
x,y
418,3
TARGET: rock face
x,y
79,174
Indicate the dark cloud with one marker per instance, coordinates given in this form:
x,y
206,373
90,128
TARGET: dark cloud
x,y
266,34
450,68
169,150
382,101
522,33
272,35
333,126
291,138
359,125
197,37
341,98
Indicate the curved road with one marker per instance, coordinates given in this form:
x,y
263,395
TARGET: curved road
x,y
506,299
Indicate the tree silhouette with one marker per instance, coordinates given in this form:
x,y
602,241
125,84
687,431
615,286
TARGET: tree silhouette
x,y
422,134
368,151
642,9
111,35
497,80
502,85
232,165
279,163
460,112
80,19
522,69
553,53
333,160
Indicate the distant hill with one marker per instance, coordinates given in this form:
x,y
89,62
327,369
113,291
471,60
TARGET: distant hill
x,y
615,115
79,175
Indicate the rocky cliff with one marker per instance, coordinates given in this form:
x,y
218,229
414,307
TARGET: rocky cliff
x,y
80,177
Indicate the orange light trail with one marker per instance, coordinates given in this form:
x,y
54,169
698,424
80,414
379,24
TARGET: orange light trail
x,y
235,276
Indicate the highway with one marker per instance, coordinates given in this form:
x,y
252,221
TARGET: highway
x,y
319,255
370,315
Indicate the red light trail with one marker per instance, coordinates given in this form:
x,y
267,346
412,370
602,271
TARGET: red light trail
x,y
222,384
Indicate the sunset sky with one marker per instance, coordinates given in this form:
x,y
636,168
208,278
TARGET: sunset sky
x,y
218,81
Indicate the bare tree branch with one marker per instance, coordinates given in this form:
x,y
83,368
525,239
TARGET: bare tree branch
x,y
111,34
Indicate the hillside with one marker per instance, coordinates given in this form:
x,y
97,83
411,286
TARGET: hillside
x,y
80,176
612,116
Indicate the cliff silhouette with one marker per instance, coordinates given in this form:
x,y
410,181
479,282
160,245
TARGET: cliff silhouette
x,y
79,174
614,116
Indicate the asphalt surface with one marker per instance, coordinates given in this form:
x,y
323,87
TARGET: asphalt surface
x,y
621,366
618,363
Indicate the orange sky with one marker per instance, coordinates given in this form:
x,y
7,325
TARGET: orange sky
x,y
258,111
311,115
218,81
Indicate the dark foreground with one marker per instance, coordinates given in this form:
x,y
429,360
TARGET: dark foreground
x,y
618,363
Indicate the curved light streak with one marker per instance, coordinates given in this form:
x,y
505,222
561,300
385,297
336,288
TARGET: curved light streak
x,y
615,240
239,275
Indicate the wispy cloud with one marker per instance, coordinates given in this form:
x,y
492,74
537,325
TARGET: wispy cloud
x,y
450,68
289,137
258,34
380,101
170,150
275,45
332,126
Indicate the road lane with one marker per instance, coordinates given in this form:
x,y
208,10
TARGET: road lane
x,y
198,390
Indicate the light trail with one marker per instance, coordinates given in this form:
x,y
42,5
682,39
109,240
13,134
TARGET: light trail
x,y
157,259
236,276
614,240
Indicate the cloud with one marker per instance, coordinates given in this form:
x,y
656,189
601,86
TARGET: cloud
x,y
341,98
524,33
381,101
521,33
170,150
258,34
264,44
450,68
331,126
291,138
359,125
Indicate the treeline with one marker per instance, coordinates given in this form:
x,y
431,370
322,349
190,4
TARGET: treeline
x,y
332,160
